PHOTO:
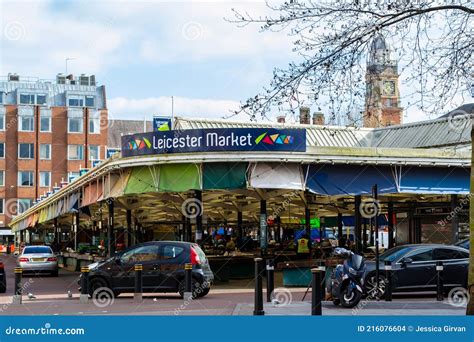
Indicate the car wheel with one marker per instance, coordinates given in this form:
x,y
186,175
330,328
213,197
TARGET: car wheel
x,y
370,285
194,286
98,285
55,273
204,291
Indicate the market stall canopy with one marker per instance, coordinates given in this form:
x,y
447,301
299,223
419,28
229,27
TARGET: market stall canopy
x,y
224,176
276,176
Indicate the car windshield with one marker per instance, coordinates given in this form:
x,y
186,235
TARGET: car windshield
x,y
395,253
37,249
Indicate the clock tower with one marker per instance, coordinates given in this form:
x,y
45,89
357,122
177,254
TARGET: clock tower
x,y
382,99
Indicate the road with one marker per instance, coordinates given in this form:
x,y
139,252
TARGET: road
x,y
233,298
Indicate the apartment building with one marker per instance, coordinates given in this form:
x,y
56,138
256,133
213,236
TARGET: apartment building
x,y
49,131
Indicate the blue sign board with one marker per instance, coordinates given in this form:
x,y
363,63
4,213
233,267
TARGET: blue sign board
x,y
161,123
214,140
112,151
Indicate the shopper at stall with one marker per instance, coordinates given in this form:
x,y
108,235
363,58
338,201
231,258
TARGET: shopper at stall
x,y
302,250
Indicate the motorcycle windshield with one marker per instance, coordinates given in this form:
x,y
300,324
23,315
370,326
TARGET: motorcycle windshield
x,y
357,261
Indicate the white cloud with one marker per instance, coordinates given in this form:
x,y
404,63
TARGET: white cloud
x,y
126,108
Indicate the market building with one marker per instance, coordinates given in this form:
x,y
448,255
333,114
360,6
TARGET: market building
x,y
269,182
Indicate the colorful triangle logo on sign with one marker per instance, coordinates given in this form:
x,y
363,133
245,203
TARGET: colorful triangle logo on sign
x,y
274,137
268,140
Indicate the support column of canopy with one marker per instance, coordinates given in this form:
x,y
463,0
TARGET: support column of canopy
x,y
454,218
263,227
110,229
390,225
358,224
130,241
200,208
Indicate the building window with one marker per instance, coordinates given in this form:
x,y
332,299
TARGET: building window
x,y
90,101
26,151
25,178
75,101
45,124
41,99
45,179
2,150
26,123
75,125
1,97
94,125
2,206
94,152
24,204
45,151
28,99
2,122
2,177
75,152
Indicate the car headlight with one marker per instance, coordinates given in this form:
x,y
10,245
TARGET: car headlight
x,y
93,265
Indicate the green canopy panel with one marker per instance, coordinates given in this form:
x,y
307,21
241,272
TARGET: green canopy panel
x,y
180,177
224,176
143,179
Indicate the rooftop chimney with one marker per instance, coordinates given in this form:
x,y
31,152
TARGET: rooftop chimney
x,y
281,119
318,119
305,116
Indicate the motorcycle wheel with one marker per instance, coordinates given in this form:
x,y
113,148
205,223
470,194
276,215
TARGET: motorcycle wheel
x,y
349,299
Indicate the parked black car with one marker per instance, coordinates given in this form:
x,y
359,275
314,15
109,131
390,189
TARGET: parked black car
x,y
414,267
463,244
3,278
163,269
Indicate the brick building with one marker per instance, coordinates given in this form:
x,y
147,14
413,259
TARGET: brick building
x,y
49,130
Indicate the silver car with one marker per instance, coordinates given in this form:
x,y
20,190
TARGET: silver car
x,y
38,259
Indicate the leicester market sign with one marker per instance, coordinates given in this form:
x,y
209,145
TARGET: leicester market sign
x,y
214,140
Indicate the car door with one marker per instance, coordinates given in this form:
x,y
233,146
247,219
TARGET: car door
x,y
417,271
172,260
146,255
455,264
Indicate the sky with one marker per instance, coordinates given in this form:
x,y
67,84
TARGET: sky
x,y
144,52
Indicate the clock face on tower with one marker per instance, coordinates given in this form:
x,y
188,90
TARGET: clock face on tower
x,y
389,87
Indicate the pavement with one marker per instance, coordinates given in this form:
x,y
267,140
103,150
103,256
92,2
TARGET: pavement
x,y
233,298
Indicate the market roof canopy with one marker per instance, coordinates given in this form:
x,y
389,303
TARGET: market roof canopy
x,y
276,176
454,180
224,176
350,180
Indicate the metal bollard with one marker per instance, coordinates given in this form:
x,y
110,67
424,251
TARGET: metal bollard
x,y
439,282
188,277
317,293
258,309
18,287
84,297
8,249
138,295
270,279
388,280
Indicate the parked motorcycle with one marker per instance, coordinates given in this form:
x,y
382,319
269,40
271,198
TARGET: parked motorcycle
x,y
347,280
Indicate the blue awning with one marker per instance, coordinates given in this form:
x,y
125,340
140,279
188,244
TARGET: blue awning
x,y
350,179
435,180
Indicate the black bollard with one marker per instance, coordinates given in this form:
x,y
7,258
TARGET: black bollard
x,y
317,290
439,277
18,287
270,279
188,277
258,309
8,248
388,280
138,295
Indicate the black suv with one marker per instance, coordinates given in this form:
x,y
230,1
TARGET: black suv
x,y
163,269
